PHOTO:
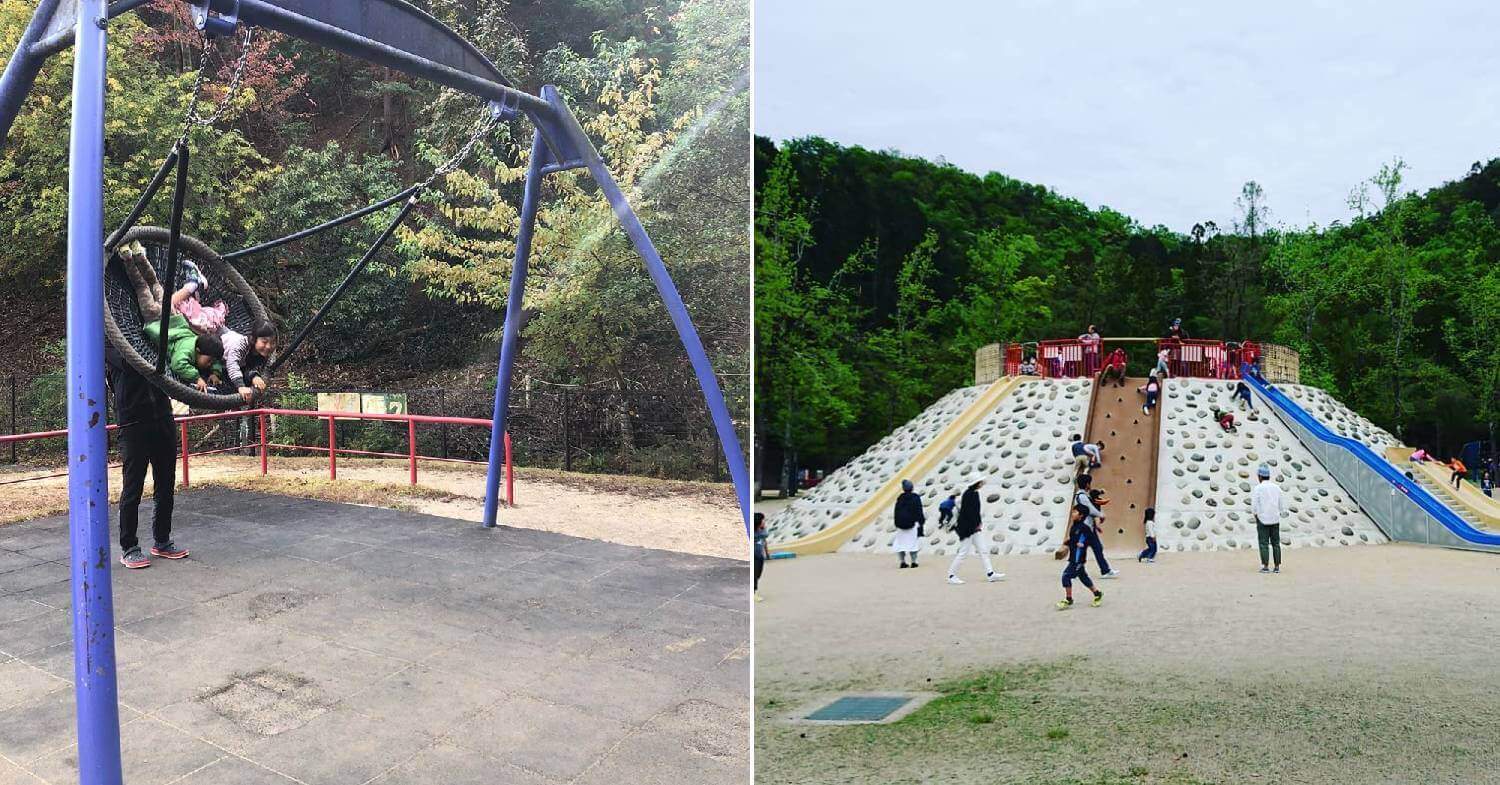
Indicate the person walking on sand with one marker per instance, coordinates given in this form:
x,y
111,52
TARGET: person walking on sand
x,y
909,520
1149,554
1269,506
762,551
1082,498
1080,534
971,537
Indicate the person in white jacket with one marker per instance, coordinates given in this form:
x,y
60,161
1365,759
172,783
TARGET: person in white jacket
x,y
1269,505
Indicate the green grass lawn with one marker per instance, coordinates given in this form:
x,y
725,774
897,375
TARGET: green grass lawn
x,y
1077,723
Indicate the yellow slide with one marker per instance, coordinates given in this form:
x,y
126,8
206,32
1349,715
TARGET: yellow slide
x,y
1468,501
921,464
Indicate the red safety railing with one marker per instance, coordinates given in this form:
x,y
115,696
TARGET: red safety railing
x,y
1071,358
1013,356
265,445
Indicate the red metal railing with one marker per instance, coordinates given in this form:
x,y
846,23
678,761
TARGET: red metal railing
x,y
1071,358
265,445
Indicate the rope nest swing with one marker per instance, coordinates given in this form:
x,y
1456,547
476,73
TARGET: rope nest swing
x,y
123,322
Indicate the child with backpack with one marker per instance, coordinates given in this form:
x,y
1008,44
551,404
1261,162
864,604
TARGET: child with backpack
x,y
1080,533
1149,554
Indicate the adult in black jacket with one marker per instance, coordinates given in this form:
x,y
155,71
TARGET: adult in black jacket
x,y
147,437
909,521
971,536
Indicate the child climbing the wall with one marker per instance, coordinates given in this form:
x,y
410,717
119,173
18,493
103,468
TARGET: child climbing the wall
x,y
1080,535
945,510
1225,419
1152,391
1242,393
1149,554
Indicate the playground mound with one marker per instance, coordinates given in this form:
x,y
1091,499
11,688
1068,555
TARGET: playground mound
x,y
1339,418
848,487
1021,452
1020,448
1205,475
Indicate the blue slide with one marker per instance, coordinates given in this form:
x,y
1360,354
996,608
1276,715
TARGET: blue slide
x,y
1403,509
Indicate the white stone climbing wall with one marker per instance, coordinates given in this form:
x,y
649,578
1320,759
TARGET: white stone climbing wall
x,y
1021,450
851,484
1204,477
1339,418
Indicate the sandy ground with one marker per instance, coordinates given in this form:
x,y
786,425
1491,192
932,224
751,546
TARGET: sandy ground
x,y
771,505
687,517
1359,665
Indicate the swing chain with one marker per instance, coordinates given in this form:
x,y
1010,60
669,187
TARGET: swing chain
x,y
482,129
193,118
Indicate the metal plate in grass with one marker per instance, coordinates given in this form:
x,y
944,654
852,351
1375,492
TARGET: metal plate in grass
x,y
866,708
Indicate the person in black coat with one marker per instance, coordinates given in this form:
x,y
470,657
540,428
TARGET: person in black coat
x,y
971,536
909,522
147,437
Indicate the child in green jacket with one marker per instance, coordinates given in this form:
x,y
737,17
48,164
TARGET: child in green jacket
x,y
193,358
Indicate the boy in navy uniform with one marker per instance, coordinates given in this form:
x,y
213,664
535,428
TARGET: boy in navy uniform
x,y
1079,536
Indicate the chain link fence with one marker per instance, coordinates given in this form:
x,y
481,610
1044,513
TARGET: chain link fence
x,y
571,428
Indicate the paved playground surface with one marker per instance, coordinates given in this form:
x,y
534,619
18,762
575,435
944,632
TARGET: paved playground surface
x,y
305,641
1356,665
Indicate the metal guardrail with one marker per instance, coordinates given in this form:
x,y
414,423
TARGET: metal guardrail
x,y
1402,508
264,446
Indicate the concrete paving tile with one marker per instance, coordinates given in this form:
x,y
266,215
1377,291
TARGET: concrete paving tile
x,y
11,560
30,577
20,638
338,748
20,682
630,696
653,759
151,753
689,656
428,699
454,765
558,565
230,770
15,607
554,741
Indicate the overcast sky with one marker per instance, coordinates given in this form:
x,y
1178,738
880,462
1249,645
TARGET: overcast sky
x,y
1160,110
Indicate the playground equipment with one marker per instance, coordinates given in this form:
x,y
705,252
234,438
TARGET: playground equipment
x,y
878,505
1402,508
1128,470
391,33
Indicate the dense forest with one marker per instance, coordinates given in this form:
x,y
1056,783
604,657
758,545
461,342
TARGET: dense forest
x,y
878,275
660,85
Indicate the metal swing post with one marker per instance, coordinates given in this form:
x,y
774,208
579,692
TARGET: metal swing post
x,y
566,126
88,497
514,302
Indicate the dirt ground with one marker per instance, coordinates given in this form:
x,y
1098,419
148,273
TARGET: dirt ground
x,y
687,517
1356,665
